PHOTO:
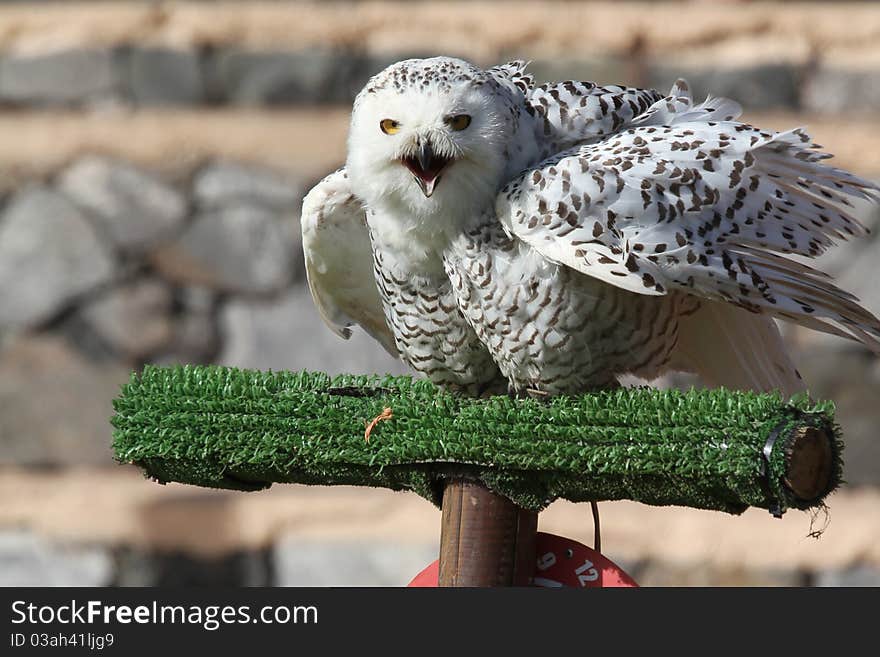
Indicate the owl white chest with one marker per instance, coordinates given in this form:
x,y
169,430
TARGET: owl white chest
x,y
429,331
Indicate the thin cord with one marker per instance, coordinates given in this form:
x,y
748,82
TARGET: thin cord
x,y
597,531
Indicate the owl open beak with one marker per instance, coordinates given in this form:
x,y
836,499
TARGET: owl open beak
x,y
426,167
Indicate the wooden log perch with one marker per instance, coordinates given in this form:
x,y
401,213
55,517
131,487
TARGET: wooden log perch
x,y
485,539
706,449
491,463
809,463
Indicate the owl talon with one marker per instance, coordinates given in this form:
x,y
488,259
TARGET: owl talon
x,y
528,393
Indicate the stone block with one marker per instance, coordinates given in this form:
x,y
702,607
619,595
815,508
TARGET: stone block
x,y
603,71
835,91
761,87
284,77
49,255
288,333
863,575
652,574
29,560
162,76
163,568
195,337
55,406
134,319
299,562
134,208
241,247
59,78
222,183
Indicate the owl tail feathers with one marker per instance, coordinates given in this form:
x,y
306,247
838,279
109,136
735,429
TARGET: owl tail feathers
x,y
734,348
678,107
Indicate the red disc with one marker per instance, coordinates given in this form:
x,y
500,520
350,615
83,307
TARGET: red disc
x,y
429,577
560,562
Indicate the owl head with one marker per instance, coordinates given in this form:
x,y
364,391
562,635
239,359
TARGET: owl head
x,y
431,138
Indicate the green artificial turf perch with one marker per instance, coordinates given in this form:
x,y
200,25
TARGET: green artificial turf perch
x,y
710,449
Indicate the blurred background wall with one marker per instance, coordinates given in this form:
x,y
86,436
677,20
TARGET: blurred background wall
x,y
153,158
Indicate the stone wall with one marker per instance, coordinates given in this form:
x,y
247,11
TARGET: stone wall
x,y
105,266
794,56
154,160
91,526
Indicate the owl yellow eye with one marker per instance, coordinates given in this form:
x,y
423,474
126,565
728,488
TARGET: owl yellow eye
x,y
389,126
458,122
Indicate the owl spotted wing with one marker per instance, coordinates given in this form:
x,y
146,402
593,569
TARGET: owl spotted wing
x,y
574,113
688,199
339,261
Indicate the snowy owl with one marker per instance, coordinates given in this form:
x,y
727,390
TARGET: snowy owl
x,y
502,236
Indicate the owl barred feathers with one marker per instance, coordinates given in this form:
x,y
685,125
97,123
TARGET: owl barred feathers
x,y
556,237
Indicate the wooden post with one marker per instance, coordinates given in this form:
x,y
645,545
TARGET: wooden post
x,y
809,470
485,539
